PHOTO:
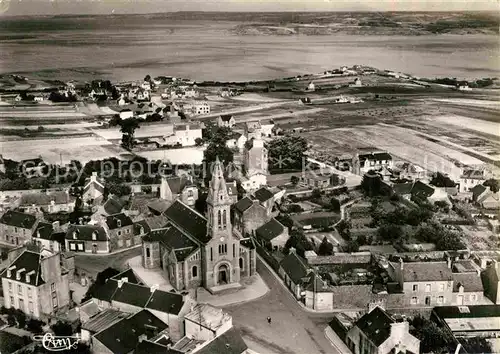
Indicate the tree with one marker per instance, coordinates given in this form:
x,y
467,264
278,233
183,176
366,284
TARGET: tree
x,y
198,141
41,128
334,204
325,248
128,127
352,246
433,339
316,193
287,152
35,326
493,184
440,180
476,345
344,229
294,180
61,328
371,184
450,241
217,146
391,232
21,318
147,78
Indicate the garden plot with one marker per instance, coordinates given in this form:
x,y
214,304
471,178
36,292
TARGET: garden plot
x,y
471,123
188,156
52,151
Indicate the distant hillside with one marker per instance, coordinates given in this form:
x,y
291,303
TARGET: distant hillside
x,y
372,24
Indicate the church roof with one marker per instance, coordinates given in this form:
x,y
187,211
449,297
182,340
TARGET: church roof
x,y
172,238
188,220
243,204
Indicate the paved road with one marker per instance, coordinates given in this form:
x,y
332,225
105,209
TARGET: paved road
x,y
293,330
92,265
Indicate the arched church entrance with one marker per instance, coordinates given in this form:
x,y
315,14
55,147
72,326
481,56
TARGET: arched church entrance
x,y
223,274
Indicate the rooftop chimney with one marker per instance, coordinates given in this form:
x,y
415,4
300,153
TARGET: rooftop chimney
x,y
142,337
448,261
154,288
93,178
19,272
120,282
28,276
292,250
401,263
9,271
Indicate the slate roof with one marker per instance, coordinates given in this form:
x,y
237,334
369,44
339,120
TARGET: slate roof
x,y
132,294
426,271
230,342
402,188
18,219
470,281
158,205
376,325
243,204
113,220
156,222
378,156
273,228
295,267
29,261
420,189
103,320
476,311
123,336
106,291
44,231
46,199
176,184
248,243
165,301
188,220
148,347
263,194
129,274
342,258
85,232
113,205
473,174
172,238
226,117
477,191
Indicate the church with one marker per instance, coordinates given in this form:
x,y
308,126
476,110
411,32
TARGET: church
x,y
194,250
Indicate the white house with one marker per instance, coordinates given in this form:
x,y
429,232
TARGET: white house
x,y
146,85
126,114
267,128
311,86
38,98
471,178
197,108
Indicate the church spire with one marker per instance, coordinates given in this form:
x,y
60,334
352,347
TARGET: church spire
x,y
217,192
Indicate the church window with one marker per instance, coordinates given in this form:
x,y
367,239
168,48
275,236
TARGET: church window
x,y
211,255
234,250
241,263
148,253
219,221
224,220
221,197
223,248
194,271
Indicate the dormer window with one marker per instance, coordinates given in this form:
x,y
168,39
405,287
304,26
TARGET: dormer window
x,y
119,223
75,234
94,235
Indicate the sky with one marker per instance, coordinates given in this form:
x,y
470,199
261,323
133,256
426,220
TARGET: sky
x,y
54,7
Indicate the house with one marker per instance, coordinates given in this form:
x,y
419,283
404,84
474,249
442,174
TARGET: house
x,y
120,230
49,236
403,190
293,269
305,101
36,284
273,233
411,172
469,321
38,98
249,215
17,228
356,83
99,321
206,322
87,238
362,163
226,120
49,202
182,188
93,188
377,332
197,108
121,101
471,178
124,335
492,281
434,284
267,128
237,142
463,86
229,342
421,190
146,85
318,180
126,113
143,95
253,130
311,87
255,160
187,134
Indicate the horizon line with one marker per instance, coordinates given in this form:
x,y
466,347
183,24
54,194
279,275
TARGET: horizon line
x,y
69,14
